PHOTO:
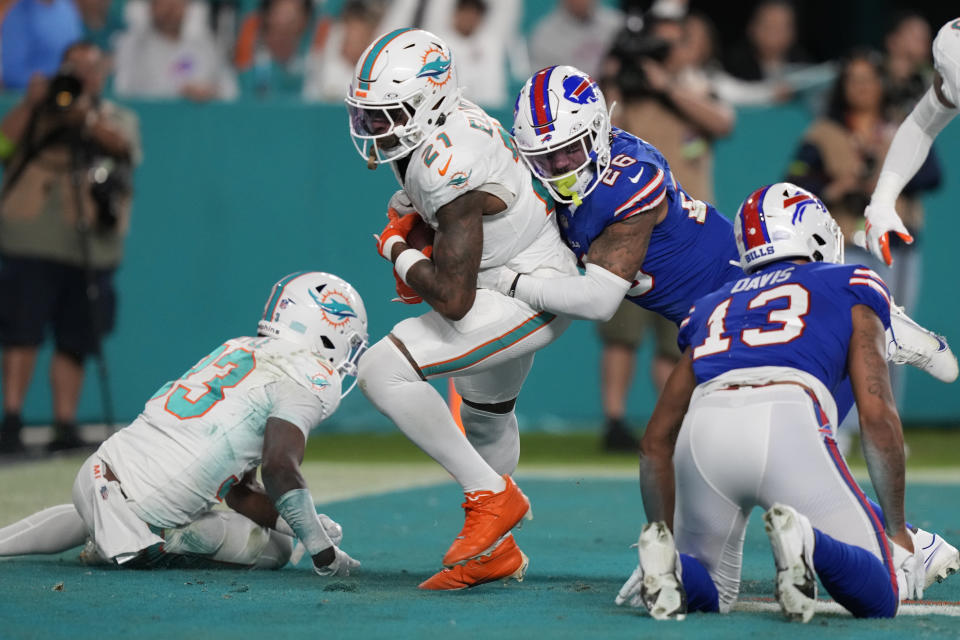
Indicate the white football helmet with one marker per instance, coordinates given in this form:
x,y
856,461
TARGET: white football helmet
x,y
946,58
404,86
781,221
321,312
562,128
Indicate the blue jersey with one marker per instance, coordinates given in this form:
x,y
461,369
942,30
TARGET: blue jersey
x,y
783,315
690,251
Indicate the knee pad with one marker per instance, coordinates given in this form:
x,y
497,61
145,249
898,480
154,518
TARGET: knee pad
x,y
495,436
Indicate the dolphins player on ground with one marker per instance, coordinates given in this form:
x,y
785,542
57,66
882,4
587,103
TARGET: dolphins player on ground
x,y
145,498
461,174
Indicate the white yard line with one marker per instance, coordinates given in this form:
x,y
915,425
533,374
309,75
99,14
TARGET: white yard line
x,y
829,607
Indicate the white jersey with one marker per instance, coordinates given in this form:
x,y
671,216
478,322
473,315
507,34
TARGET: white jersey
x,y
198,436
472,151
946,59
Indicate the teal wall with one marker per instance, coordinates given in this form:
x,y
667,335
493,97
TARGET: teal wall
x,y
232,197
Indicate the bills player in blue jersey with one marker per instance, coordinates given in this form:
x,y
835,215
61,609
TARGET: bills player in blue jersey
x,y
639,235
747,420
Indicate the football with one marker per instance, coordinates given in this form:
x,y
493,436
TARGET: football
x,y
421,235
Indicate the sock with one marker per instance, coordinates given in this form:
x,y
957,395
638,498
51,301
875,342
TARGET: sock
x,y
397,391
701,591
52,530
495,436
877,510
854,577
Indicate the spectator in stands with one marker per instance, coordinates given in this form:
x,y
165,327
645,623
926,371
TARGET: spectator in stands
x,y
840,158
667,99
908,61
273,50
577,32
337,48
102,21
761,64
33,36
162,60
59,218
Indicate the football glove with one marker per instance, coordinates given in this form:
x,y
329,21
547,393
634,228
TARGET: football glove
x,y
630,593
341,566
882,220
911,573
396,231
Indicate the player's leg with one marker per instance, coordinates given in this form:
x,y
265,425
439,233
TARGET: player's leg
x,y
228,538
833,524
393,376
53,530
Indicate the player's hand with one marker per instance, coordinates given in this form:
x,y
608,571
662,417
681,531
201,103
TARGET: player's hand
x,y
396,231
882,219
334,530
399,205
629,593
341,566
911,572
497,279
406,293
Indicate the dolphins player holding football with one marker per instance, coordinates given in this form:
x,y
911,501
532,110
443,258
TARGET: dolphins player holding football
x,y
145,498
461,174
639,235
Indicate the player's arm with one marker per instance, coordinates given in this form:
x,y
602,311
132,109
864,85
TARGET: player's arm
x,y
880,430
659,440
907,152
448,281
283,446
249,498
612,262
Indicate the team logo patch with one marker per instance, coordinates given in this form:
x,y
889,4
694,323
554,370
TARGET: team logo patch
x,y
104,492
319,381
579,89
335,307
460,179
436,67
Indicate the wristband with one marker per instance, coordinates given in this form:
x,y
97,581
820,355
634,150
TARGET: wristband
x,y
297,509
386,250
513,287
405,260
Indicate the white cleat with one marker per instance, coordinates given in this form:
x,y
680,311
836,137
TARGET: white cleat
x,y
912,344
656,582
940,558
791,537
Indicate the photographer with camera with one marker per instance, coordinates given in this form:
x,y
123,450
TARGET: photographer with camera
x,y
64,212
656,73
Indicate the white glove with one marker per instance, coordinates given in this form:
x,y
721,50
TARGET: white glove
x,y
334,530
911,572
630,591
882,219
340,567
400,203
496,279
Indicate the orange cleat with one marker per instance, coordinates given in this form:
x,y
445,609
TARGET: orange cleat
x,y
505,561
488,517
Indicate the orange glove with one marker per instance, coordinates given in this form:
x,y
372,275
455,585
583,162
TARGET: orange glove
x,y
405,292
396,231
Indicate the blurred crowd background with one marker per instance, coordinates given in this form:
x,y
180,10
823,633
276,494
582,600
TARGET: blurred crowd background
x,y
690,76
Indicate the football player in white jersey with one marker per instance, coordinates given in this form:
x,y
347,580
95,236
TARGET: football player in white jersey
x,y
146,497
461,174
939,105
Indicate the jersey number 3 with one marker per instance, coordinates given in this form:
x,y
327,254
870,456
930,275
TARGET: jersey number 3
x,y
217,372
789,318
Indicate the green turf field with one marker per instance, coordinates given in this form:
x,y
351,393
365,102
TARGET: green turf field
x,y
399,513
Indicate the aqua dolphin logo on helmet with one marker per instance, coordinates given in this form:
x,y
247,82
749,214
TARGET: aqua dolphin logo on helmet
x,y
434,68
334,307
